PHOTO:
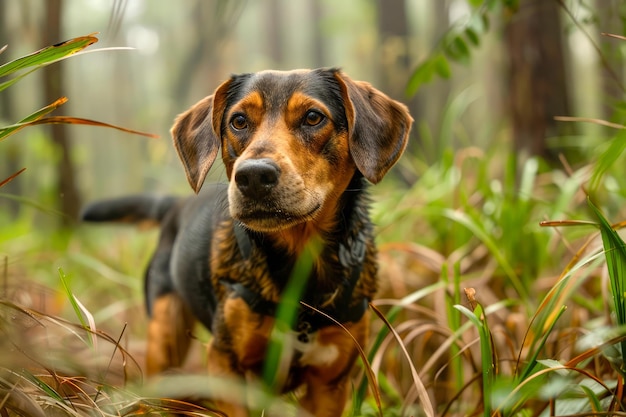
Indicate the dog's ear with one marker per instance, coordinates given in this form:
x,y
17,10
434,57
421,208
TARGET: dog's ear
x,y
196,135
378,127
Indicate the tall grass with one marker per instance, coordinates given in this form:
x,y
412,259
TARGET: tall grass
x,y
482,310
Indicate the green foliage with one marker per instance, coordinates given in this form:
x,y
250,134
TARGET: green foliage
x,y
615,253
488,361
42,58
21,67
24,66
455,46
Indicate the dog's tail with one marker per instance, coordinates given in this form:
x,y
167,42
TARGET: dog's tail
x,y
148,210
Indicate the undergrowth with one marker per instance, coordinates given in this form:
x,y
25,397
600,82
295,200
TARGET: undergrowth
x,y
483,309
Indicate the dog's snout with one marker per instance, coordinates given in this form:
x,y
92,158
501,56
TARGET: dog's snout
x,y
255,178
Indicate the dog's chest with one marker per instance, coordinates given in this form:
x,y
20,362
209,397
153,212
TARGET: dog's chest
x,y
312,352
249,335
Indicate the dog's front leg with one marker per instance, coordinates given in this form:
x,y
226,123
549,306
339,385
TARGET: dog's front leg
x,y
330,364
324,399
220,366
168,334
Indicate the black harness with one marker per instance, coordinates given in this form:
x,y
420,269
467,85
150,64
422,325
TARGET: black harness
x,y
309,320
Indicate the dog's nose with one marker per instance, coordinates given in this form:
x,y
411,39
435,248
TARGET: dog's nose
x,y
255,178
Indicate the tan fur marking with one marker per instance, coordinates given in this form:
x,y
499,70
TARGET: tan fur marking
x,y
249,330
168,334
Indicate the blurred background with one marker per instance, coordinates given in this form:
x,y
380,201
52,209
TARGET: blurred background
x,y
508,68
519,116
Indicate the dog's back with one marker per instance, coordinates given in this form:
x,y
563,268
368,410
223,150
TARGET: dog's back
x,y
180,261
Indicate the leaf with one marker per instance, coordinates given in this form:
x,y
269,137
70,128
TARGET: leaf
x,y
594,401
478,230
615,253
51,392
422,74
479,319
530,367
81,312
287,314
87,122
471,35
48,54
442,67
11,129
609,157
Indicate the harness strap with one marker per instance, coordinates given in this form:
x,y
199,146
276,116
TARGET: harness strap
x,y
351,256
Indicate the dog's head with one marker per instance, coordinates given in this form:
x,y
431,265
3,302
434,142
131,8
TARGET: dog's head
x,y
291,142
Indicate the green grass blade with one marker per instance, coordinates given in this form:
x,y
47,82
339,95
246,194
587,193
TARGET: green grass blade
x,y
84,316
608,158
492,245
532,362
51,392
594,401
6,84
615,253
48,54
479,319
7,131
286,315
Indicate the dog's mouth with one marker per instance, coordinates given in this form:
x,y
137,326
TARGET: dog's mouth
x,y
273,219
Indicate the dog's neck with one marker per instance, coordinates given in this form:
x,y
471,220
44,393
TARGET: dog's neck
x,y
328,245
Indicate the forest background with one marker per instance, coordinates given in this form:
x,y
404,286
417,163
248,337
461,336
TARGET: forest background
x,y
519,109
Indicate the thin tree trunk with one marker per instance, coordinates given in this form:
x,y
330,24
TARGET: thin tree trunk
x,y
394,63
10,148
537,79
53,89
316,8
610,21
274,32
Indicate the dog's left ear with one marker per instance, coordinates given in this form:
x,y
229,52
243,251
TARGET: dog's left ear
x,y
378,127
196,135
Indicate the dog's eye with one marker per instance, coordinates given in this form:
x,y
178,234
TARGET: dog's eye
x,y
313,118
239,122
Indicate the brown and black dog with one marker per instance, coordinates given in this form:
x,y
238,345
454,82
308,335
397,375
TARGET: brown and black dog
x,y
299,148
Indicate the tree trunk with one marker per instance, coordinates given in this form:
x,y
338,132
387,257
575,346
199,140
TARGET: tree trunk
x,y
537,78
53,89
610,15
317,14
274,32
10,148
394,63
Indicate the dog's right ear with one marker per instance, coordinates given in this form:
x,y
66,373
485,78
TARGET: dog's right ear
x,y
196,135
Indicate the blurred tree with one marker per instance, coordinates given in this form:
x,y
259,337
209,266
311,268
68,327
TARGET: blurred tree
x,y
394,65
53,89
317,12
210,23
537,82
8,116
274,22
612,19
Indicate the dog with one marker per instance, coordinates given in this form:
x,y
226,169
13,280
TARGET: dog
x,y
299,149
